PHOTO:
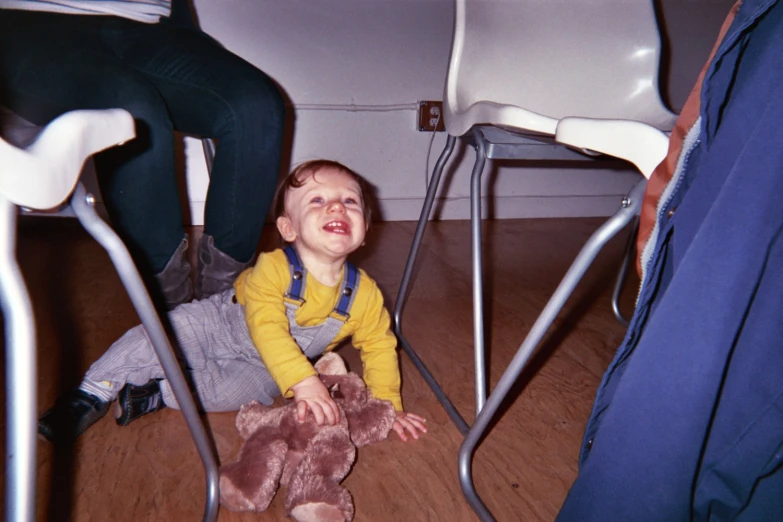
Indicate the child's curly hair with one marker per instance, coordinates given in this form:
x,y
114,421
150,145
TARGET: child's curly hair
x,y
304,171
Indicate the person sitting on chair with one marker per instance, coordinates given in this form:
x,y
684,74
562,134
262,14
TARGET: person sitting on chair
x,y
140,56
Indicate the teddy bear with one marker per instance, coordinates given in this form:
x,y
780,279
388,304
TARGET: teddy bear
x,y
309,460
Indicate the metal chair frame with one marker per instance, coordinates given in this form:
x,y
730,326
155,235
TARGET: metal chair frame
x,y
21,363
504,146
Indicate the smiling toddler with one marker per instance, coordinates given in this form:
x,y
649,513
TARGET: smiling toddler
x,y
257,340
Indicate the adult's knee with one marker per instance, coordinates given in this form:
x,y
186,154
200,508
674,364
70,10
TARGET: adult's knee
x,y
254,100
146,106
154,128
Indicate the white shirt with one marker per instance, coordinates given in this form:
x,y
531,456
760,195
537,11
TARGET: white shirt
x,y
147,11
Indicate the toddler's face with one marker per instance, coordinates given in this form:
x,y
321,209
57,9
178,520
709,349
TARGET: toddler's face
x,y
325,216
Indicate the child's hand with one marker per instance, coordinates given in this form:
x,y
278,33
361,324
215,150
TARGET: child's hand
x,y
410,422
311,394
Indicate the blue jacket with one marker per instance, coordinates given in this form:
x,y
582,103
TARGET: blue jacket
x,y
688,420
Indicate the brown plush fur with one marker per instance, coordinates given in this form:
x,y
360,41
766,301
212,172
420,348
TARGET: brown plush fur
x,y
309,460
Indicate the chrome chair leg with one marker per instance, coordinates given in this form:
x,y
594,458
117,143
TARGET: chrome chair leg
x,y
81,202
20,376
209,153
630,208
478,271
621,275
399,304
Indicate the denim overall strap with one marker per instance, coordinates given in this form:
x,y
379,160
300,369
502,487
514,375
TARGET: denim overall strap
x,y
347,292
298,277
313,340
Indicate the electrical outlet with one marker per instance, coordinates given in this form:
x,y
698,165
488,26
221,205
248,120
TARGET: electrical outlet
x,y
431,116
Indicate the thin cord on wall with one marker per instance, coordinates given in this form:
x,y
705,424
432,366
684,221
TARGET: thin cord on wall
x,y
429,151
378,108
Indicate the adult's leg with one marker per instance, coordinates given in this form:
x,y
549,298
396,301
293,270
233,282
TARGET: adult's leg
x,y
211,92
54,63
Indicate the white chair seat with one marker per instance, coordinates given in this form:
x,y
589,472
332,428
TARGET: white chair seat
x,y
459,121
44,175
634,141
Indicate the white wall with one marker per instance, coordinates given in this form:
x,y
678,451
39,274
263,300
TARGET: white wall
x,y
382,53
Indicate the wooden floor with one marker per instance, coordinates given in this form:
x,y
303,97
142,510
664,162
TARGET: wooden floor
x,y
523,469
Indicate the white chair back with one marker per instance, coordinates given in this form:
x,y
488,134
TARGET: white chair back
x,y
527,63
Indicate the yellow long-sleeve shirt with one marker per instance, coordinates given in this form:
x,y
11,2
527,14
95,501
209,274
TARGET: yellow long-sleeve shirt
x,y
261,288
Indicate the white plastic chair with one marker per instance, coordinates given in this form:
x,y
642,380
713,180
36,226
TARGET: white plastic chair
x,y
42,176
525,79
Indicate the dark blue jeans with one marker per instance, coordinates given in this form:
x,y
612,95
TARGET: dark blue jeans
x,y
169,78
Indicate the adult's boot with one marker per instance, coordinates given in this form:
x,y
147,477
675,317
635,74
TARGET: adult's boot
x,y
216,269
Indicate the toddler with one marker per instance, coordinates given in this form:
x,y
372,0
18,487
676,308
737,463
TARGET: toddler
x,y
256,340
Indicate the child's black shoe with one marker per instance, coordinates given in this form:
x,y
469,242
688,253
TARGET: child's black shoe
x,y
71,416
135,401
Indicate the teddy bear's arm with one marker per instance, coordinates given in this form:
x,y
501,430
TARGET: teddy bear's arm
x,y
371,423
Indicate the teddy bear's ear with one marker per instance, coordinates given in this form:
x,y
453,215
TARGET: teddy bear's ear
x,y
331,364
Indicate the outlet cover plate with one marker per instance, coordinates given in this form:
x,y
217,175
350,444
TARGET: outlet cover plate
x,y
431,116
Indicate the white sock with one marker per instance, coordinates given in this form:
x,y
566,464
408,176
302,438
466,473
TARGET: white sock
x,y
104,390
